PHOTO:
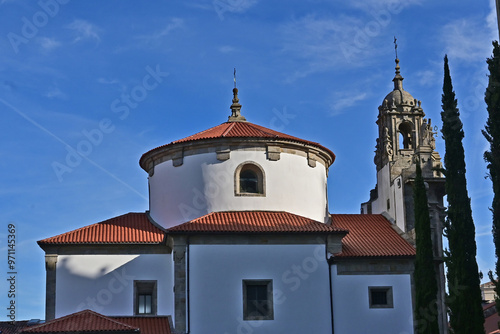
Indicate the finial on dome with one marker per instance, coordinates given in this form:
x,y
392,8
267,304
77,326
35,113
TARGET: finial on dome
x,y
398,79
235,107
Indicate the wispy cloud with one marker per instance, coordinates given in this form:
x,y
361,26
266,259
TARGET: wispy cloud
x,y
84,30
464,39
227,49
426,77
48,44
156,38
343,100
371,5
55,93
105,81
492,22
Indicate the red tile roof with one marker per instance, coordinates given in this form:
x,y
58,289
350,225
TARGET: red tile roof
x,y
148,325
130,228
239,130
253,222
370,236
12,327
83,321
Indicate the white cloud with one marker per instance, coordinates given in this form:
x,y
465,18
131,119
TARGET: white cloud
x,y
84,30
343,100
220,7
492,22
227,49
105,81
466,40
426,77
156,37
48,44
55,92
391,5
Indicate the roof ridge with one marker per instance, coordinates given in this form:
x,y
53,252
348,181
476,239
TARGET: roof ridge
x,y
229,128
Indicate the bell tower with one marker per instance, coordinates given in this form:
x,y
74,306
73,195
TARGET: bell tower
x,y
405,138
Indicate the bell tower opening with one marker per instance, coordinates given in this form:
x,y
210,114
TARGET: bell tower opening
x,y
405,136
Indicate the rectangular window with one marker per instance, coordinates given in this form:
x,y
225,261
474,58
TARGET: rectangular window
x,y
145,297
258,300
380,296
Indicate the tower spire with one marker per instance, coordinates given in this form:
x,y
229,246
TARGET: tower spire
x,y
398,79
236,106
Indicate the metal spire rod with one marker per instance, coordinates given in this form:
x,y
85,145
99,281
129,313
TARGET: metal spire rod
x,y
234,77
396,44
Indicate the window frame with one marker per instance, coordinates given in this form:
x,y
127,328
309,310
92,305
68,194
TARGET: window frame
x,y
389,296
268,283
261,179
144,288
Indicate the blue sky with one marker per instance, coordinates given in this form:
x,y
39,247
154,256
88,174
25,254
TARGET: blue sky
x,y
313,69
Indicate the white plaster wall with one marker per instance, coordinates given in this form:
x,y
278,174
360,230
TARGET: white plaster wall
x,y
105,283
202,184
400,205
300,284
351,304
384,192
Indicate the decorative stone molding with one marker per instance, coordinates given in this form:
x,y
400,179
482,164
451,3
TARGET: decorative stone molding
x,y
334,243
223,153
273,152
379,266
311,159
178,158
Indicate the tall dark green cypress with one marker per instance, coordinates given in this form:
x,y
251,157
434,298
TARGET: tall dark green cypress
x,y
492,157
426,287
464,299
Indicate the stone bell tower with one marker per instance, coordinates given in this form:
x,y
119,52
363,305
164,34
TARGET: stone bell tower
x,y
405,138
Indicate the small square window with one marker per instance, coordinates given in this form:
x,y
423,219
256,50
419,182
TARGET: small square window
x,y
380,297
145,297
258,300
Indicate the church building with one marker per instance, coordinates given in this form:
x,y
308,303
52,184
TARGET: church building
x,y
238,237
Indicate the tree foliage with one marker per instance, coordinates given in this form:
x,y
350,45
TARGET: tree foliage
x,y
464,299
492,157
426,286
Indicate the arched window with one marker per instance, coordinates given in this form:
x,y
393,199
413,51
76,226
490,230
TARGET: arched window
x,y
249,180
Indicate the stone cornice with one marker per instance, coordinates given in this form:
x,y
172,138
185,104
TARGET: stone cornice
x,y
176,152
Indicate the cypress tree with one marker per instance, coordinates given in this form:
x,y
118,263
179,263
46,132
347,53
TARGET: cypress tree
x,y
464,299
426,287
492,157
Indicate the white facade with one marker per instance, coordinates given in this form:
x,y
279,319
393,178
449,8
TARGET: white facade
x,y
299,275
105,283
351,305
202,184
390,197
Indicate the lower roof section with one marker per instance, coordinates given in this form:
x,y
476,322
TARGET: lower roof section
x,y
363,235
88,321
370,236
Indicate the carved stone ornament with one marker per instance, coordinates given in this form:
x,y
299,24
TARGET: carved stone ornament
x,y
387,144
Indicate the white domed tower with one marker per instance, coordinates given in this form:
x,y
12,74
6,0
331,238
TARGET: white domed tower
x,y
237,166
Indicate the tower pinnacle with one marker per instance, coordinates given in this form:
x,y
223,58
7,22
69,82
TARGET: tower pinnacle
x,y
236,106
